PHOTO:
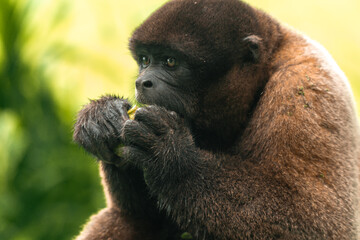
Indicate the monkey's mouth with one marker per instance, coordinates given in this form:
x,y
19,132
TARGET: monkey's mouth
x,y
163,101
142,99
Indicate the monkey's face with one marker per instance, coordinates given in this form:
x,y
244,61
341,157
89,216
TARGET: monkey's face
x,y
165,79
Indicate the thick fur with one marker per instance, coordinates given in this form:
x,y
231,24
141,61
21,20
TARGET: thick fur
x,y
269,148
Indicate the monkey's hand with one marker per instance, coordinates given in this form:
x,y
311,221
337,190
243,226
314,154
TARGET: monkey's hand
x,y
159,142
99,125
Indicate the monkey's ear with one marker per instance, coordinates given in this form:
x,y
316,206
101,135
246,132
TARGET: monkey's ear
x,y
253,45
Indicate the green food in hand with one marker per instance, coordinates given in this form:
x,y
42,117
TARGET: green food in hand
x,y
186,235
132,111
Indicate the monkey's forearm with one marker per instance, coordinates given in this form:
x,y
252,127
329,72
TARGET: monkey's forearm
x,y
200,190
126,189
190,185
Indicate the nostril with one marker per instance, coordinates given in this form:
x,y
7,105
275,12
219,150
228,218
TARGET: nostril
x,y
147,84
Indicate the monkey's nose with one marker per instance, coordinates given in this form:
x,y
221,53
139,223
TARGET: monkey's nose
x,y
141,83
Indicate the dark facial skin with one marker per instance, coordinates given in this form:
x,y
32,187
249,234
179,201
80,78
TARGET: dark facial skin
x,y
165,79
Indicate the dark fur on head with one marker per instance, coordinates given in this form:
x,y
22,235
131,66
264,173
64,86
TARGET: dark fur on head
x,y
229,45
212,34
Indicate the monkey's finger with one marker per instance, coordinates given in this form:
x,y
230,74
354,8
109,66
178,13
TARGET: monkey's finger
x,y
137,134
135,156
116,111
153,118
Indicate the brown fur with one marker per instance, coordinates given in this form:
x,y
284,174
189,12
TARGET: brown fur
x,y
288,163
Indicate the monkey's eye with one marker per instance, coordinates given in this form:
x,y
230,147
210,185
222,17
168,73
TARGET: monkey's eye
x,y
144,61
171,62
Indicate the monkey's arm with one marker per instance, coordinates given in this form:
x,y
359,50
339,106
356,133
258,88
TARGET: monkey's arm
x,y
97,130
197,188
217,196
130,213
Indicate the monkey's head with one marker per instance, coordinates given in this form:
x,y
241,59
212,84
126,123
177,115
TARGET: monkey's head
x,y
204,59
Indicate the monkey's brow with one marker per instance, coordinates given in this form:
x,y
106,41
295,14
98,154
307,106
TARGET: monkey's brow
x,y
156,51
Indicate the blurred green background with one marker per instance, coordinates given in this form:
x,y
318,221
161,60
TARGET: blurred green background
x,y
55,55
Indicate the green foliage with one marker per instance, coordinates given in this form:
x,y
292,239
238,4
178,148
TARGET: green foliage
x,y
47,186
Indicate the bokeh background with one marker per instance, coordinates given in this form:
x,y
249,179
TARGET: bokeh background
x,y
55,55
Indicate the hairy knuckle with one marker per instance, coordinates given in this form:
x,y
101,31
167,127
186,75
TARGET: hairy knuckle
x,y
129,128
142,113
